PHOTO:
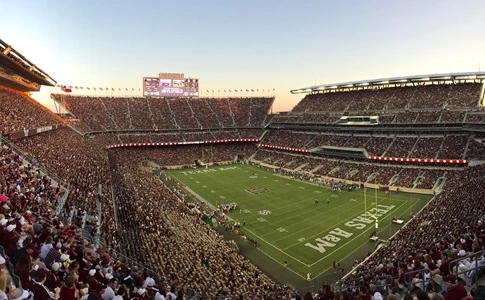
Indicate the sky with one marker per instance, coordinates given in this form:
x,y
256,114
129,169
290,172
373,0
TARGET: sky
x,y
239,45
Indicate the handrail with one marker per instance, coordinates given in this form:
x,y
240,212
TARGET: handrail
x,y
33,161
62,201
476,267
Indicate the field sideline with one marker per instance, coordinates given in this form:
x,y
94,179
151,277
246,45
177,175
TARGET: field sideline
x,y
282,215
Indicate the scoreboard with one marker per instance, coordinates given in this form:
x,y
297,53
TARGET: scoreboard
x,y
170,85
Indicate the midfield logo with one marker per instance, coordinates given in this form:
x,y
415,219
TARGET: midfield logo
x,y
257,190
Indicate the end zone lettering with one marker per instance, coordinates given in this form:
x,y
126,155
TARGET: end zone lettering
x,y
198,171
360,222
329,240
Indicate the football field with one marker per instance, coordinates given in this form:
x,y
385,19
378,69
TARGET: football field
x,y
283,215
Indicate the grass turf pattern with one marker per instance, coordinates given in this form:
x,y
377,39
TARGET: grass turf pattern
x,y
282,215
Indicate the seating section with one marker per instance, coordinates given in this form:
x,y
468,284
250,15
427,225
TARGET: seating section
x,y
162,218
85,164
432,233
189,136
423,177
164,240
18,112
424,104
399,98
107,113
405,146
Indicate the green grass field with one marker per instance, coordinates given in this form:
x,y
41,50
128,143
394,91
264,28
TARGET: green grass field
x,y
282,216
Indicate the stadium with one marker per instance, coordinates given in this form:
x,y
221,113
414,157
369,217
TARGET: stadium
x,y
365,189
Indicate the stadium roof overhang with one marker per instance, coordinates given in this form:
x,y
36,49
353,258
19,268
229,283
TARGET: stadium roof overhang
x,y
23,67
10,82
450,77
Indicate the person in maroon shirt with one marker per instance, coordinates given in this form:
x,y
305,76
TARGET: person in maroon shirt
x,y
68,290
3,226
12,247
400,281
328,292
100,288
454,290
8,236
429,262
52,281
91,280
364,293
40,291
23,267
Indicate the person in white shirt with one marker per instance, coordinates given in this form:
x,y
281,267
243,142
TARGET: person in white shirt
x,y
149,281
171,295
19,294
161,295
45,248
109,293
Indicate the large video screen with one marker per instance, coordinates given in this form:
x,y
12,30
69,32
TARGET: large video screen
x,y
158,87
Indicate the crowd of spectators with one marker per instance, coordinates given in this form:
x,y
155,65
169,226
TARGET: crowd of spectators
x,y
287,138
150,216
406,117
187,251
43,257
83,163
121,113
401,147
189,136
424,104
453,147
475,117
407,177
431,96
442,232
331,139
186,155
306,118
476,149
410,177
426,147
429,178
79,166
452,116
396,117
426,117
20,112
398,98
405,146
